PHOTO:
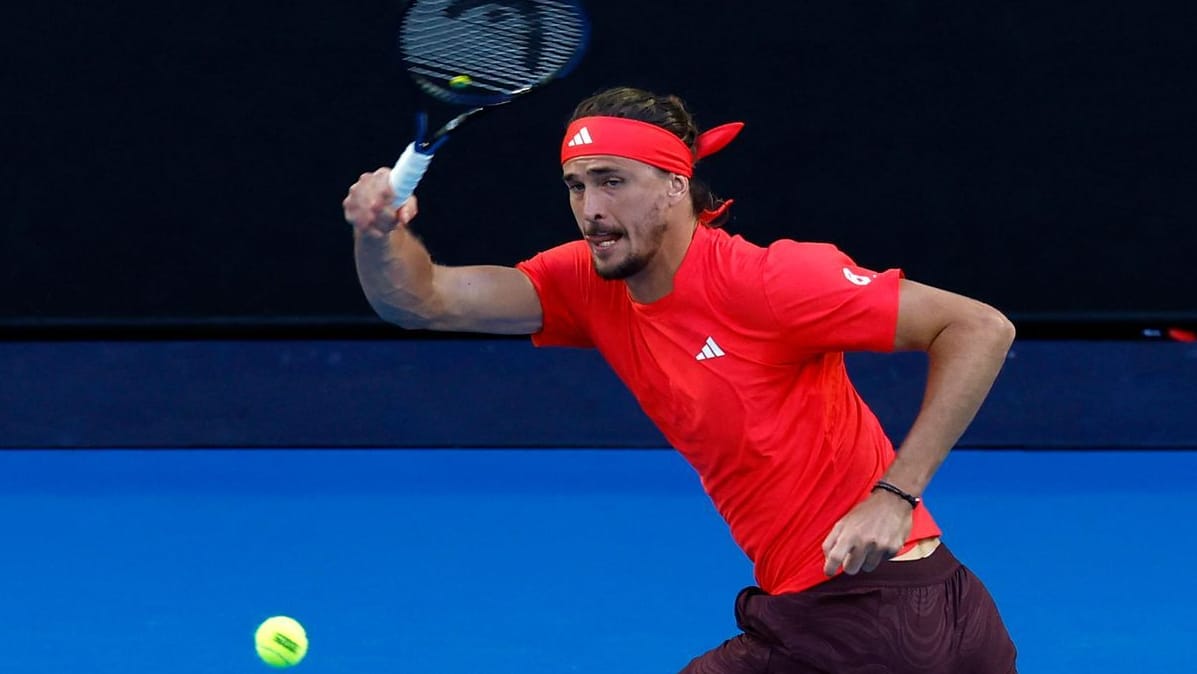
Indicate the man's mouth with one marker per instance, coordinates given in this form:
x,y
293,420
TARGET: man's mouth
x,y
601,240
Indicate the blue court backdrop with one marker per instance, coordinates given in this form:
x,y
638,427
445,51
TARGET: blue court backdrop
x,y
505,392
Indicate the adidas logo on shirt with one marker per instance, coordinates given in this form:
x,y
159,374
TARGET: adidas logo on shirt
x,y
582,137
710,350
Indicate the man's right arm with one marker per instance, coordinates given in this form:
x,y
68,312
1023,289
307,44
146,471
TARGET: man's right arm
x,y
405,287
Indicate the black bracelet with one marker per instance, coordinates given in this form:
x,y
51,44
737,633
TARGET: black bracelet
x,y
909,498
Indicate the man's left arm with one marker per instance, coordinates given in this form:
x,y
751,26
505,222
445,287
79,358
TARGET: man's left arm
x,y
966,342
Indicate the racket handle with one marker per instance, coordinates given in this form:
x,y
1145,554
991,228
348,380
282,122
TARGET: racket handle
x,y
407,172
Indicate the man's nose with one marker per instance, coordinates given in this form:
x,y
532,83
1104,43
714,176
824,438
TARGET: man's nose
x,y
592,205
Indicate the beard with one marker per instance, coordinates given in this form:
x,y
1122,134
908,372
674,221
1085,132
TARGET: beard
x,y
636,259
630,265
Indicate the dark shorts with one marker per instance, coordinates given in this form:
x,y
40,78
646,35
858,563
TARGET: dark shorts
x,y
930,616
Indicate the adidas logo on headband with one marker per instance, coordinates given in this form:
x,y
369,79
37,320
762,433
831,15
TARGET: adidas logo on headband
x,y
643,142
582,137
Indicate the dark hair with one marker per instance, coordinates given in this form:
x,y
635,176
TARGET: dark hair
x,y
667,112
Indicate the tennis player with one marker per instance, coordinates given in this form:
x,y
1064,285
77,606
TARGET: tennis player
x,y
736,352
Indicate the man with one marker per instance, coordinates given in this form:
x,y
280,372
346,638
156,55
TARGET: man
x,y
736,352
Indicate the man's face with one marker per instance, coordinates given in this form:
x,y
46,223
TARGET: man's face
x,y
620,207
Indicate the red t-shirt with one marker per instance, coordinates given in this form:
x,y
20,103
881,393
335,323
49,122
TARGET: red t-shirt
x,y
741,367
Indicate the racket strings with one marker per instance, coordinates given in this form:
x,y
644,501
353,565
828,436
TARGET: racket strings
x,y
495,48
483,48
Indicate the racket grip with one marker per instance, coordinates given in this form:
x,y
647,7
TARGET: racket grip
x,y
407,172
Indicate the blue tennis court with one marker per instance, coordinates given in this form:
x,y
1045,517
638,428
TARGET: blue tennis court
x,y
532,561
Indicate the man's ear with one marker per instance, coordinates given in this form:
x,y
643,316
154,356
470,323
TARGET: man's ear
x,y
679,187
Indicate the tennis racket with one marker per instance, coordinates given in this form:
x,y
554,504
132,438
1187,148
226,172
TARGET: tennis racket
x,y
478,54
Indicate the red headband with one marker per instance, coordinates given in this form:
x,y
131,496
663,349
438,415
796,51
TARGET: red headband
x,y
649,143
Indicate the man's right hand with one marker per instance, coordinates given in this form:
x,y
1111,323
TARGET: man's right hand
x,y
370,209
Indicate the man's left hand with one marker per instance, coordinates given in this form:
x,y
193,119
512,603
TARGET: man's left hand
x,y
874,531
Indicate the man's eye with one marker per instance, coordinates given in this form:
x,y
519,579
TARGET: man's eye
x,y
574,187
612,182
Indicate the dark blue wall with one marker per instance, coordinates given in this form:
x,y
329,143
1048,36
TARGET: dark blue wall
x,y
505,393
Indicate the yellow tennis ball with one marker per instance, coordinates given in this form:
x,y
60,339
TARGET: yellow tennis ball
x,y
281,641
460,81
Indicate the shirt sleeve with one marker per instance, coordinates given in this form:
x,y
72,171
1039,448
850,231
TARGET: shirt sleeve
x,y
824,302
560,277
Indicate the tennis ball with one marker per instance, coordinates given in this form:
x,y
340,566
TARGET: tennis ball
x,y
281,641
460,81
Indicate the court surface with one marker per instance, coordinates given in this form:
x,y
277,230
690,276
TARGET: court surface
x,y
535,562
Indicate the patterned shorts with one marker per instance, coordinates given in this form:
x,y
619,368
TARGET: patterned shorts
x,y
929,616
